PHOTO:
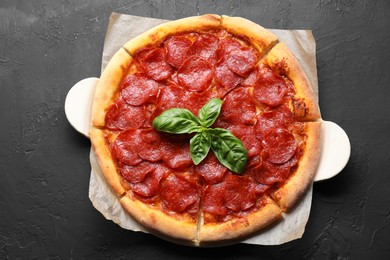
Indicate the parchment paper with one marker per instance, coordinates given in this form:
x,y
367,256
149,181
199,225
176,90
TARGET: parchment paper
x,y
124,27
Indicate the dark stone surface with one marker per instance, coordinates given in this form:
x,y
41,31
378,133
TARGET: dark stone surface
x,y
46,46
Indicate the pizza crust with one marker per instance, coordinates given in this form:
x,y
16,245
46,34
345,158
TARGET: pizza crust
x,y
108,85
160,32
304,92
295,186
159,223
105,160
257,35
239,228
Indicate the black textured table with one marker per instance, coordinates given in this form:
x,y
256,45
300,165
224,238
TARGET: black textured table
x,y
47,46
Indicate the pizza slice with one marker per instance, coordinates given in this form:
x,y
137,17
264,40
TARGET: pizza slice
x,y
303,104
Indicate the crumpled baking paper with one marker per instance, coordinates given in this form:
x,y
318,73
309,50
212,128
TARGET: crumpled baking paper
x,y
121,29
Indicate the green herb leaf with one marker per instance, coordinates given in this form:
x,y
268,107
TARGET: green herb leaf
x,y
228,149
210,112
177,121
199,146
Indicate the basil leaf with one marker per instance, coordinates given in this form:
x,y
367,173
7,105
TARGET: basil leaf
x,y
199,146
177,121
209,112
228,149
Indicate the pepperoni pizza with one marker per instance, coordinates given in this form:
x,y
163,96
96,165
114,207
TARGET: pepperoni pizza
x,y
268,105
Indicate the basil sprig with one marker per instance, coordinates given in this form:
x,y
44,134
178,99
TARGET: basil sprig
x,y
228,149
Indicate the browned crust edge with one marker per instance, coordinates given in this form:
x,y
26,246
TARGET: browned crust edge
x,y
105,160
298,183
257,35
108,85
156,34
296,74
161,224
240,228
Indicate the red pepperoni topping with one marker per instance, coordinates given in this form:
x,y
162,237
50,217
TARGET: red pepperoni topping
x,y
121,116
177,48
270,88
205,47
247,136
226,77
280,144
227,45
239,193
261,188
269,173
241,61
149,145
138,89
238,107
235,193
213,199
176,154
170,96
211,169
133,146
154,63
125,150
195,74
178,193
136,173
279,117
149,187
174,96
194,101
252,78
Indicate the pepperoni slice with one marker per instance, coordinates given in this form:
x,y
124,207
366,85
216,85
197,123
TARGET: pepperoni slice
x,y
235,193
269,173
121,116
138,89
247,136
252,78
205,47
239,193
211,169
195,74
213,199
261,188
149,145
177,48
178,194
124,149
176,154
154,63
194,101
170,96
136,173
280,144
149,187
133,146
174,96
238,107
270,88
227,45
241,61
279,117
226,77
